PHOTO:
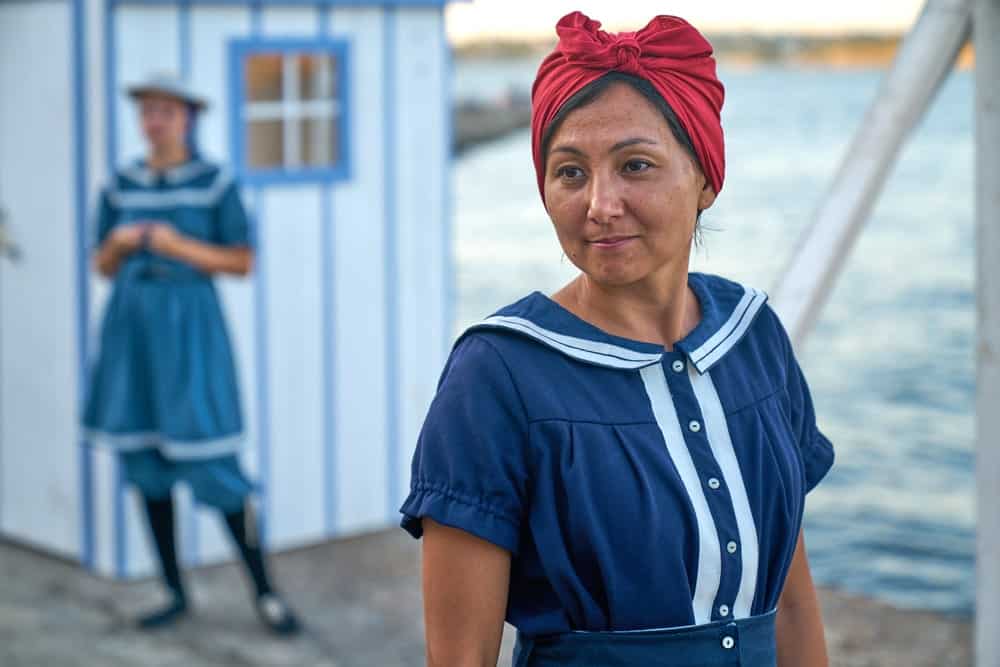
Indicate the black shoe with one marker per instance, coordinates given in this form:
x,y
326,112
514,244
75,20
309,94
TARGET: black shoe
x,y
164,617
276,615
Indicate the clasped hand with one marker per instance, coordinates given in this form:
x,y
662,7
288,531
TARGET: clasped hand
x,y
158,236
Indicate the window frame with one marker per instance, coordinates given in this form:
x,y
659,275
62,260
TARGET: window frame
x,y
239,51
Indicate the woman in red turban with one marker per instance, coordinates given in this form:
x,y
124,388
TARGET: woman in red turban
x,y
619,470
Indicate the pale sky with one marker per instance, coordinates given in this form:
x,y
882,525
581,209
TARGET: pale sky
x,y
481,18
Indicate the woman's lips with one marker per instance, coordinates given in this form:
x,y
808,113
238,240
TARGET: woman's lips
x,y
612,241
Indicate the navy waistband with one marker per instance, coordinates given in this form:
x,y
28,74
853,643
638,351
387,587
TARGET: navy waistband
x,y
746,642
164,274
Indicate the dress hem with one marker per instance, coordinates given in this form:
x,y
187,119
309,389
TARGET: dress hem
x,y
176,450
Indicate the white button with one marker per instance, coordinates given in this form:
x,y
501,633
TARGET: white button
x,y
694,425
678,366
731,547
713,483
723,610
728,642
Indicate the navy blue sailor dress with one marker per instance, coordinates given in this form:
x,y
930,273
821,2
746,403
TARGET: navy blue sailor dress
x,y
163,390
651,499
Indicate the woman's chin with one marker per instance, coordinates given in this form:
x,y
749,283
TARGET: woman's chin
x,y
614,276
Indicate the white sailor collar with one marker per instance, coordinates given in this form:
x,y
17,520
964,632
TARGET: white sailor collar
x,y
727,310
141,174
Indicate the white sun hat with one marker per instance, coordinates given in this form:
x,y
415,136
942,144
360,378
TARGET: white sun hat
x,y
169,85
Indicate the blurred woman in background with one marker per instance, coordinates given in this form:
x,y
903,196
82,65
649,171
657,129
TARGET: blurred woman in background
x,y
163,392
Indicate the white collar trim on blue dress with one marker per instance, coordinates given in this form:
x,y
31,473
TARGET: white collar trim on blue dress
x,y
718,344
184,196
590,351
187,171
138,174
728,309
143,175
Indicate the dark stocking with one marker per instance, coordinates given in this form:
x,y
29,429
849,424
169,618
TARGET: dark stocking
x,y
160,514
246,540
273,611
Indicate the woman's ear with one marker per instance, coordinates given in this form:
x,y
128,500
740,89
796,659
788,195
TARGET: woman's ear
x,y
707,197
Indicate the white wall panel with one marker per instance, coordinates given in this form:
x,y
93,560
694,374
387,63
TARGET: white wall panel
x,y
291,217
299,22
104,511
358,218
97,125
39,475
421,140
212,28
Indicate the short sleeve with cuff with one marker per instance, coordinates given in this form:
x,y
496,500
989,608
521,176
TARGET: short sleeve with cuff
x,y
232,223
816,448
470,469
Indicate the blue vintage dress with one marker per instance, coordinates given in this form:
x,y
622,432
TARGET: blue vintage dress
x,y
163,390
637,489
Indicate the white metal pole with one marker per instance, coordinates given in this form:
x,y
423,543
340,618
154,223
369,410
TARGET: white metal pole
x,y
986,33
923,62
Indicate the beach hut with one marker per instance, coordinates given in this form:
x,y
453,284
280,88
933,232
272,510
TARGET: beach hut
x,y
335,115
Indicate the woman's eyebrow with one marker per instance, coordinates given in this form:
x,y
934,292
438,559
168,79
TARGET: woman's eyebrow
x,y
572,150
625,143
632,142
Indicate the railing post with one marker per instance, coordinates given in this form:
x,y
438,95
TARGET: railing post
x,y
924,61
986,36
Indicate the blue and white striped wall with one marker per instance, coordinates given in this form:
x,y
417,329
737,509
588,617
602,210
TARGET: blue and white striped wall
x,y
344,327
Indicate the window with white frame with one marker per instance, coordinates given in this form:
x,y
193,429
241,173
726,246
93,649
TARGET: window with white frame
x,y
291,110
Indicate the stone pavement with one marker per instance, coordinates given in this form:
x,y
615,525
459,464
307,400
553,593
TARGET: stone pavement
x,y
360,599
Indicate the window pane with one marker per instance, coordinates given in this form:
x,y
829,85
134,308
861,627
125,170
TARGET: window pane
x,y
317,76
291,111
265,147
263,77
319,142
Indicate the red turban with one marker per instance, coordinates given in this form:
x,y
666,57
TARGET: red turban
x,y
669,53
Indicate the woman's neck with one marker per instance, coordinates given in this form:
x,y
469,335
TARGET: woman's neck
x,y
167,157
663,311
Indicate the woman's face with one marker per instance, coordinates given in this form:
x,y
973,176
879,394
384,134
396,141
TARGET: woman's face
x,y
164,121
622,193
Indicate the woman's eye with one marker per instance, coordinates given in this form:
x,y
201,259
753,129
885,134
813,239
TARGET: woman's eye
x,y
571,173
636,166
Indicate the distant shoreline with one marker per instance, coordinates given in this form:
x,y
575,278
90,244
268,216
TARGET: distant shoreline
x,y
745,49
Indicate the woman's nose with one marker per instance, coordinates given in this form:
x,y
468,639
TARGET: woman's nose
x,y
606,201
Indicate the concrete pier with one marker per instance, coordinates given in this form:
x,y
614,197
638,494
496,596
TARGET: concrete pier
x,y
360,599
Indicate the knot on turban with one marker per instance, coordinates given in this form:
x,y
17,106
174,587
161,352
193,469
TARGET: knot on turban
x,y
669,53
627,52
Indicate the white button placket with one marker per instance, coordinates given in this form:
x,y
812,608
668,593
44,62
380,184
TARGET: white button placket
x,y
667,389
711,478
